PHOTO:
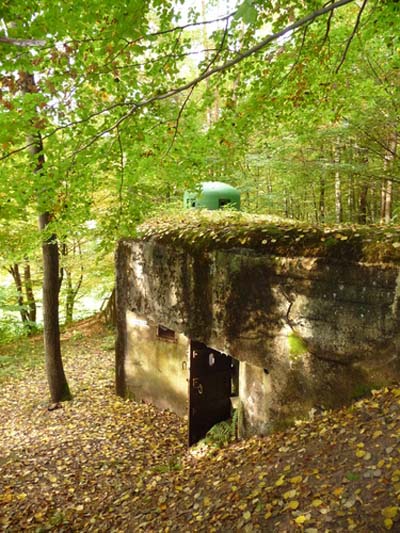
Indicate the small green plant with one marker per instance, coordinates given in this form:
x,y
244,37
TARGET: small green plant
x,y
352,476
14,359
11,329
221,434
362,390
108,345
173,465
57,519
297,346
77,335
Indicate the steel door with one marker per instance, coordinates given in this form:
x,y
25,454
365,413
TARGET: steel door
x,y
209,389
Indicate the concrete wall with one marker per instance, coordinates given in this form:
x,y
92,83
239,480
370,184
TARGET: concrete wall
x,y
156,368
312,331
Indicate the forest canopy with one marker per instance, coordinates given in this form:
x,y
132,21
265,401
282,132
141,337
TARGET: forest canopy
x,y
111,110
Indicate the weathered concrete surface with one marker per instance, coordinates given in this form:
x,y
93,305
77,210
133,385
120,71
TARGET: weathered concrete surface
x,y
156,369
312,331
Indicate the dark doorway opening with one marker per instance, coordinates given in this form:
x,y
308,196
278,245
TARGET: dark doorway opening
x,y
212,380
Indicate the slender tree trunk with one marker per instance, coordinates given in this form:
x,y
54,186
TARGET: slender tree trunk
x,y
69,299
363,204
71,291
386,199
322,199
30,297
257,187
286,203
14,271
338,198
387,184
351,199
374,202
27,309
338,185
361,159
59,390
315,205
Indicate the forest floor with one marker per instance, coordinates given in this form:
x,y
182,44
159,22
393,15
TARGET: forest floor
x,y
99,463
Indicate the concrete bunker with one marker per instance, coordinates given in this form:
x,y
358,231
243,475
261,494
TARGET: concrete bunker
x,y
303,324
173,372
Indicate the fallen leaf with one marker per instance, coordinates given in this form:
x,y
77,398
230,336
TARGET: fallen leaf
x,y
388,523
293,504
316,503
301,519
390,512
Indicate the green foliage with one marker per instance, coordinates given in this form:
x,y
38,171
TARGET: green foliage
x,y
293,125
220,434
17,354
109,343
247,12
173,465
297,346
11,326
364,390
10,329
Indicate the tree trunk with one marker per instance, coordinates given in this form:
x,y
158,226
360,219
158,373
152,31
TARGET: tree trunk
x,y
14,271
30,297
338,186
374,202
387,184
71,291
361,159
69,299
58,385
315,205
59,390
286,204
351,198
386,199
322,200
386,205
363,205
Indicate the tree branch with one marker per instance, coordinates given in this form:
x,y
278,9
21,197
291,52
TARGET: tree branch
x,y
187,98
244,55
186,86
328,28
24,43
350,39
221,68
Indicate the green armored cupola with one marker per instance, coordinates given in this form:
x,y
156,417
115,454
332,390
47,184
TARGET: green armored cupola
x,y
212,195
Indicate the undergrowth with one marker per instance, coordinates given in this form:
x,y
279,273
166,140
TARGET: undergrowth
x,y
21,355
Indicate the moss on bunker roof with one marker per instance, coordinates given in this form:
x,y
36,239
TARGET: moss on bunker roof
x,y
213,230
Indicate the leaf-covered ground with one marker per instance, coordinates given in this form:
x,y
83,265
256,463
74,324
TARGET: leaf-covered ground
x,y
102,464
79,467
